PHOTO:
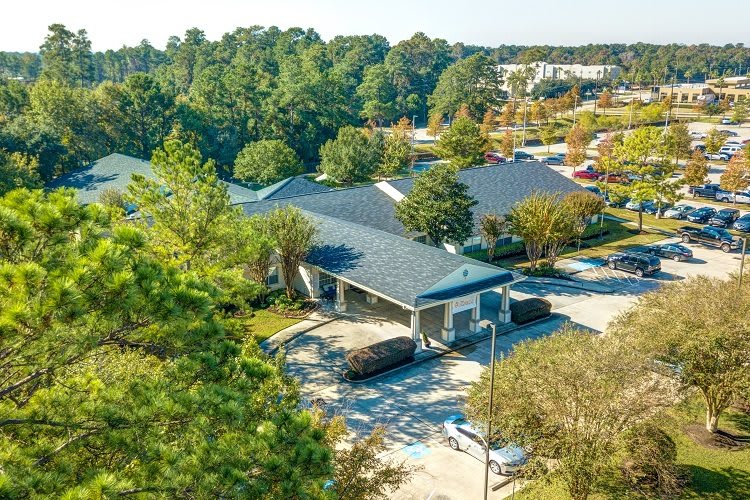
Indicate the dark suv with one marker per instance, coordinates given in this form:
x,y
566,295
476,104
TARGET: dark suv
x,y
635,262
742,224
701,215
724,217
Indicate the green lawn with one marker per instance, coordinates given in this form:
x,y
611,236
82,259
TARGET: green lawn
x,y
715,474
264,323
620,237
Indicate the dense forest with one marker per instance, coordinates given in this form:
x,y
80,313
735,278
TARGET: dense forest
x,y
68,105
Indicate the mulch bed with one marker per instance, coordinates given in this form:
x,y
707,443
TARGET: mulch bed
x,y
352,376
721,440
307,307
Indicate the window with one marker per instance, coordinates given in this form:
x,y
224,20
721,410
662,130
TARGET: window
x,y
326,281
473,244
504,241
273,277
421,239
466,433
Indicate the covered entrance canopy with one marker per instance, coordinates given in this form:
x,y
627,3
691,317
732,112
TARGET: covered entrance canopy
x,y
413,275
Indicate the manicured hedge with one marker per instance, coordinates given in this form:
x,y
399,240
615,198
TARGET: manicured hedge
x,y
527,310
381,355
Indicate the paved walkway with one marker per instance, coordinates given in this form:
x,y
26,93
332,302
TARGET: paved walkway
x,y
316,318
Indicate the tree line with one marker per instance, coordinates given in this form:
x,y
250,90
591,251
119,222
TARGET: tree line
x,y
642,62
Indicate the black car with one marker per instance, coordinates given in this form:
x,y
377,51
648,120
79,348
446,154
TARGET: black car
x,y
650,207
724,217
673,251
522,155
728,133
742,224
635,262
701,215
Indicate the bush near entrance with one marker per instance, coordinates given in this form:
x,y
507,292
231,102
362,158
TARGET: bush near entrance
x,y
530,309
381,355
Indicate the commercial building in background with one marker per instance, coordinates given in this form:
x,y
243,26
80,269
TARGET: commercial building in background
x,y
550,71
734,89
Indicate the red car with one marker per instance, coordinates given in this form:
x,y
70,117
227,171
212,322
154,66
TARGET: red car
x,y
493,157
586,174
613,179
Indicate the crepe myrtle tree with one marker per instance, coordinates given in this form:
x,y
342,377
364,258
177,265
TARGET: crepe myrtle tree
x,y
294,234
582,207
492,227
544,225
438,205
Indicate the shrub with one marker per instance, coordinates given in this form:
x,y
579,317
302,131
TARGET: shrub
x,y
650,464
282,303
527,310
546,271
381,355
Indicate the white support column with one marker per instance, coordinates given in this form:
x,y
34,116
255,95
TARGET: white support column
x,y
314,283
504,313
340,296
416,331
448,333
476,315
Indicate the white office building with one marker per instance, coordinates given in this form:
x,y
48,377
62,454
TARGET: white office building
x,y
562,71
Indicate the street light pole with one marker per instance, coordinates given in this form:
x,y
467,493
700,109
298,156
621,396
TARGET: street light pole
x,y
489,413
413,140
742,262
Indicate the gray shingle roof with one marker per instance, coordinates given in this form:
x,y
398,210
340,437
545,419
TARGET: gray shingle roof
x,y
113,171
498,187
405,271
366,205
293,186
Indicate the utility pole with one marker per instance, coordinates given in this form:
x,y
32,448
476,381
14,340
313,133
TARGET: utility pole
x,y
489,413
630,119
671,95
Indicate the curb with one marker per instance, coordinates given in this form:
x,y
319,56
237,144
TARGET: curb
x,y
273,351
572,283
488,335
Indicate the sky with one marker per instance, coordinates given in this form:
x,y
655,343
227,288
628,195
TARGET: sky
x,y
23,24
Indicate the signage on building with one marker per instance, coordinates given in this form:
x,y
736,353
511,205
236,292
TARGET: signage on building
x,y
464,304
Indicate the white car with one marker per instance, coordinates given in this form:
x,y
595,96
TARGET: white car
x,y
463,437
716,156
678,212
695,135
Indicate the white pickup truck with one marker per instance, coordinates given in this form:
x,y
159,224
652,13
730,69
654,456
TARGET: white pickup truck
x,y
728,196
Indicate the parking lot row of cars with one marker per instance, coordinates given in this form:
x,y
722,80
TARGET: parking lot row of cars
x,y
646,262
497,158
